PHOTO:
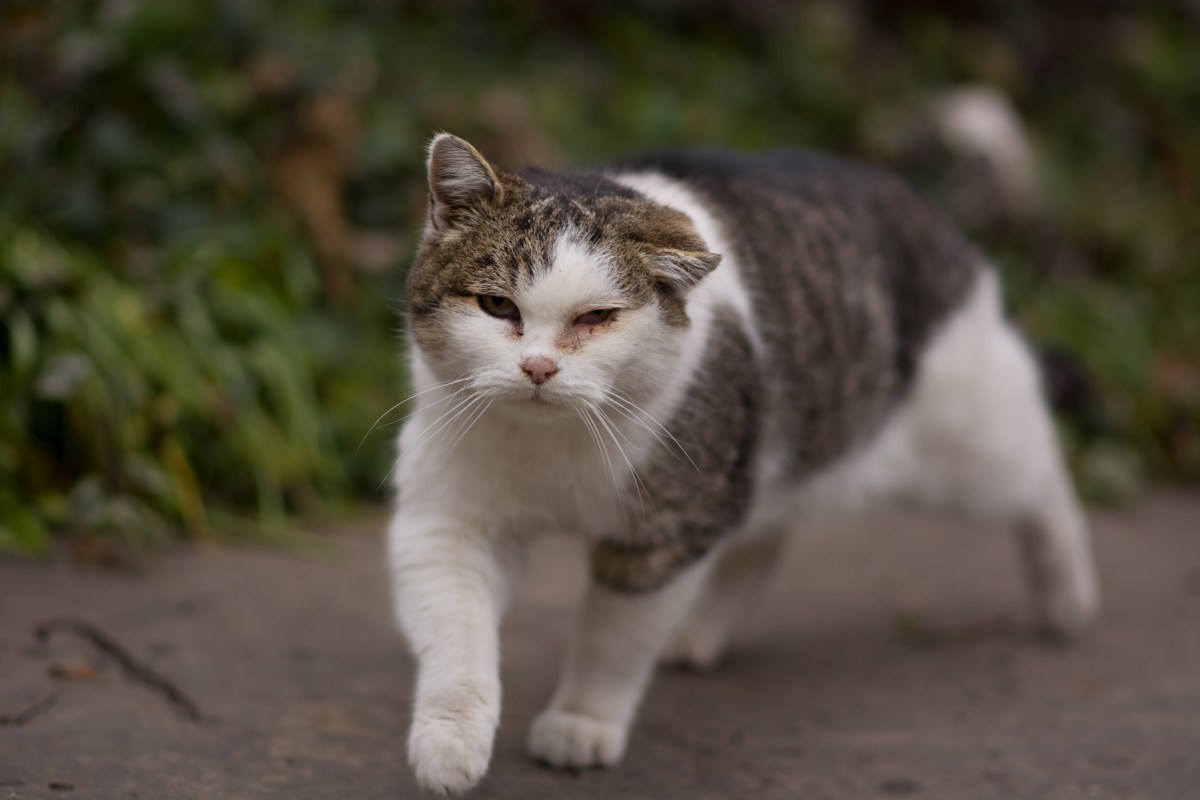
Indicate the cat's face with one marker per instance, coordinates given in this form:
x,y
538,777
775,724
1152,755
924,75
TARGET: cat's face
x,y
548,291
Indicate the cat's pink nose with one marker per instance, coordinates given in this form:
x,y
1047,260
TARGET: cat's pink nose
x,y
539,368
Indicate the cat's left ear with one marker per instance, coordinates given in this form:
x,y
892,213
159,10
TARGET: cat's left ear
x,y
677,271
460,180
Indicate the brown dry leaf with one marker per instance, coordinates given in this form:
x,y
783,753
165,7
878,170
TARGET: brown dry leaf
x,y
376,252
72,671
98,552
916,630
309,173
1090,688
515,137
272,74
1177,375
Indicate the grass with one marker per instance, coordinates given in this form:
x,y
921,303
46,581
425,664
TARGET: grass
x,y
207,207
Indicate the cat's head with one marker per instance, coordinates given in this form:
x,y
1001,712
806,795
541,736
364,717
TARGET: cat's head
x,y
548,290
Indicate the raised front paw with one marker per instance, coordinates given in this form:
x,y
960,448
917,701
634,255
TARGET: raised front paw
x,y
567,739
450,753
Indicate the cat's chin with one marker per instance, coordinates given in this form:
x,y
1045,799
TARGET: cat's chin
x,y
538,409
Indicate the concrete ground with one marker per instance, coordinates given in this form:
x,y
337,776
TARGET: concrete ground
x,y
889,659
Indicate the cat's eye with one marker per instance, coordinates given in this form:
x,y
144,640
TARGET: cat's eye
x,y
499,306
596,316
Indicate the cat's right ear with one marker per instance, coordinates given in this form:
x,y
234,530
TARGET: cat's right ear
x,y
460,181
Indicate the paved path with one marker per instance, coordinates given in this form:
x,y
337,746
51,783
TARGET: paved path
x,y
888,660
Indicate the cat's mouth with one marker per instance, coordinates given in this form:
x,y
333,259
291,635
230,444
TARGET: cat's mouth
x,y
545,404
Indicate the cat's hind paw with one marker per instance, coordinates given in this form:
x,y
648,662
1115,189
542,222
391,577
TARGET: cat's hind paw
x,y
1066,611
567,739
693,649
449,755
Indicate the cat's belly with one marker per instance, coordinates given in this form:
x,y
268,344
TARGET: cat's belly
x,y
926,450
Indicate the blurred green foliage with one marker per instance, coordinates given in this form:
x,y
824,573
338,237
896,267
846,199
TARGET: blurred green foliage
x,y
206,204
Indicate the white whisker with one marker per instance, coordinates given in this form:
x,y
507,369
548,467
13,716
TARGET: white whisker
x,y
626,405
430,432
476,414
585,413
453,413
608,425
408,399
452,396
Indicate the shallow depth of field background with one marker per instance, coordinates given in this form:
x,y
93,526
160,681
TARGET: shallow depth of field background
x,y
206,209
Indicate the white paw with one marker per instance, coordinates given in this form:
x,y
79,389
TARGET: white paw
x,y
566,739
693,648
450,753
1071,606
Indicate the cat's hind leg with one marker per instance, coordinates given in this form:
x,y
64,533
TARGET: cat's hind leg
x,y
982,441
1057,554
740,572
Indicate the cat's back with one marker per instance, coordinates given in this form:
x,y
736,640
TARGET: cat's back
x,y
849,272
774,201
788,171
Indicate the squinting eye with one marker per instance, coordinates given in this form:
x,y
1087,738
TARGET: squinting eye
x,y
498,306
595,317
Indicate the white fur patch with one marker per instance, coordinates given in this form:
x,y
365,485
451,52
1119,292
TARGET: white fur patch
x,y
972,435
577,279
723,285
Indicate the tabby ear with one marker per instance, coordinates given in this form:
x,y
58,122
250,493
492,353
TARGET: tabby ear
x,y
680,270
460,180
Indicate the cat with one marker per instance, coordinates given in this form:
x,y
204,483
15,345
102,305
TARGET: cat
x,y
675,357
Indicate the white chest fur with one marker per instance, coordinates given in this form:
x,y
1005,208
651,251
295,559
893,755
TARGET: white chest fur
x,y
503,473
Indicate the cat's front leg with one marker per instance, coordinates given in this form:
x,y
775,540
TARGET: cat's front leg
x,y
451,584
609,664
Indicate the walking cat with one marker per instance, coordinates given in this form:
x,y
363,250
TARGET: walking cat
x,y
675,357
